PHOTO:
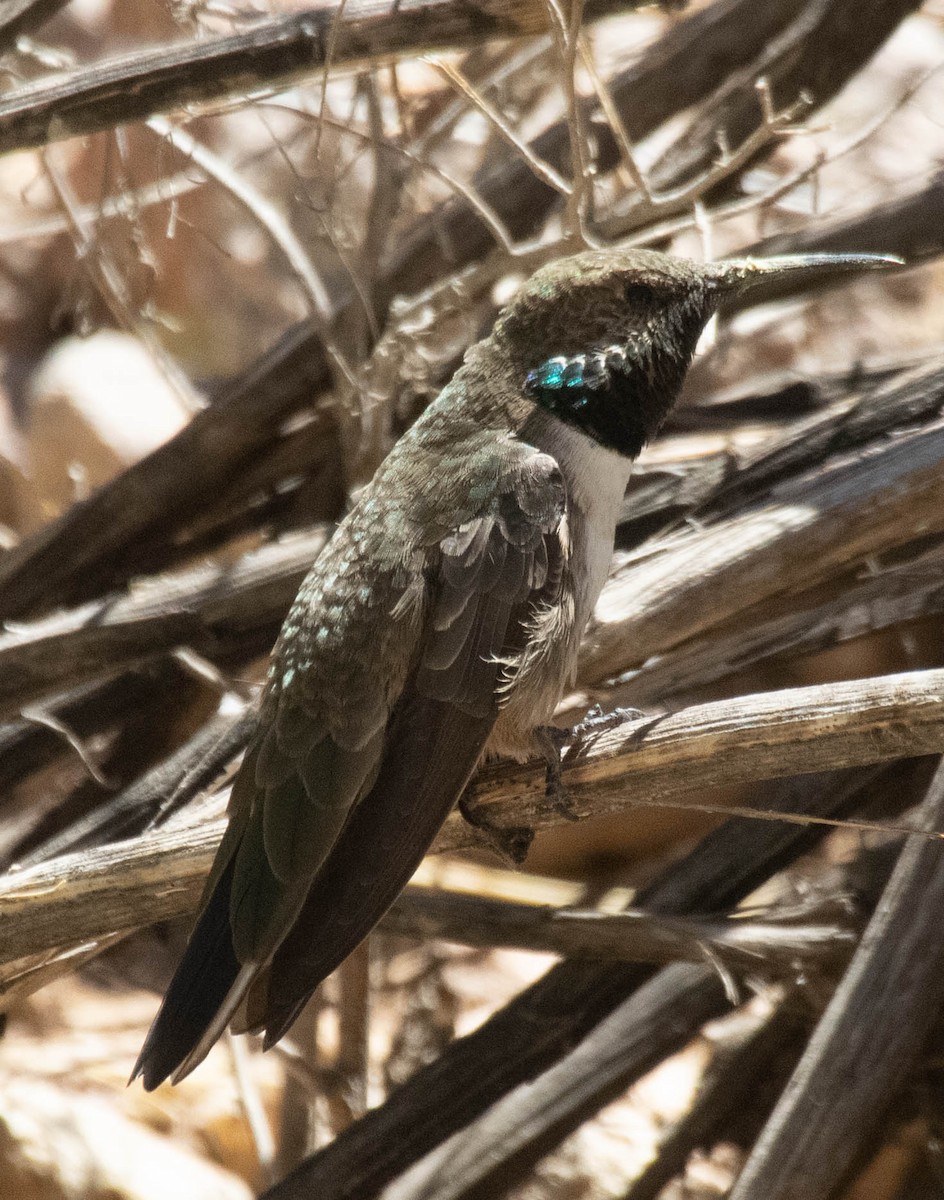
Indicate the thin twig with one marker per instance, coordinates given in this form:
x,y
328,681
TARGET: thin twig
x,y
542,170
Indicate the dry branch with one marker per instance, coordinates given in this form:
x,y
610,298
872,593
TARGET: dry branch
x,y
83,896
201,608
874,500
804,623
679,70
801,60
269,54
765,946
543,1024
869,1035
650,760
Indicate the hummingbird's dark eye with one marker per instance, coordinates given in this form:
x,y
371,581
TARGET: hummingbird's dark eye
x,y
638,294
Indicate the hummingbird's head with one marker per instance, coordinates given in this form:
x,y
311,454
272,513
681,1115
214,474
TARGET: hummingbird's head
x,y
603,339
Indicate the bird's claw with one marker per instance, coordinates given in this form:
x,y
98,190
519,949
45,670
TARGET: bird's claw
x,y
552,740
598,721
510,842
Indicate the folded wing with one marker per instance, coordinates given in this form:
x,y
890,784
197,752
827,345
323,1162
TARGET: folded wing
x,y
330,818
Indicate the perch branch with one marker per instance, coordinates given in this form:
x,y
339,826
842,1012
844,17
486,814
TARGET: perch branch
x,y
123,886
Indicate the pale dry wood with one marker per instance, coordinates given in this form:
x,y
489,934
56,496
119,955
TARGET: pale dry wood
x,y
59,900
869,1036
198,608
764,945
652,760
801,624
269,54
880,498
84,896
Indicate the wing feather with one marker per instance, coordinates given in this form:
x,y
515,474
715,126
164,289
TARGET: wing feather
x,y
361,755
437,733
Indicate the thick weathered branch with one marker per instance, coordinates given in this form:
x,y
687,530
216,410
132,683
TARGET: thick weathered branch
x,y
548,1019
194,768
269,54
648,761
198,608
803,624
811,526
869,1035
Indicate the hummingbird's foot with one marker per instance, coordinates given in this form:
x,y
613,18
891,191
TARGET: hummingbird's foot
x,y
598,721
510,842
552,740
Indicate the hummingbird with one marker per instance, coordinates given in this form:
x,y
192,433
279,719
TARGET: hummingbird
x,y
441,624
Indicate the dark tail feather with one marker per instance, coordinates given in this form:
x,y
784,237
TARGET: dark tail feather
x,y
200,985
434,748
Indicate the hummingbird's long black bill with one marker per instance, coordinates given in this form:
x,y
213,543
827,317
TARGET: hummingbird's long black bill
x,y
773,276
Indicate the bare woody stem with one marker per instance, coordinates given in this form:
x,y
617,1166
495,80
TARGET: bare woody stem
x,y
129,884
269,54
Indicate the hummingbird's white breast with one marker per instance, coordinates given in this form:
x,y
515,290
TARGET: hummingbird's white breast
x,y
596,480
